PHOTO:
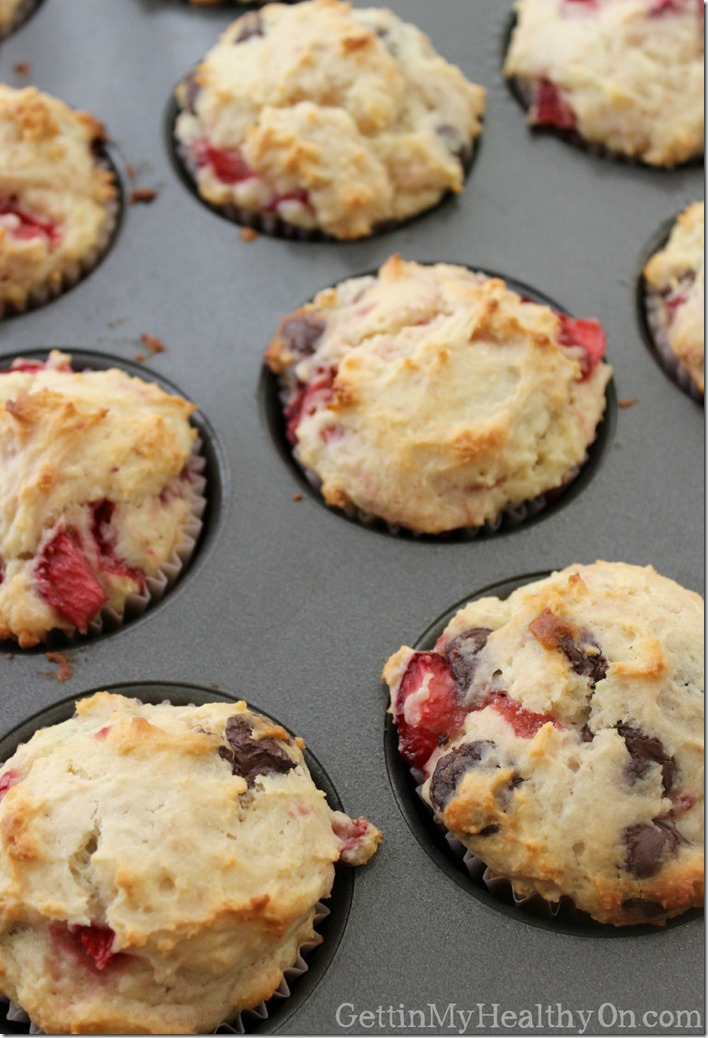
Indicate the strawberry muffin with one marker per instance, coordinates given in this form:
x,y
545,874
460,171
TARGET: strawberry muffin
x,y
160,866
322,119
99,495
622,75
559,736
437,399
58,200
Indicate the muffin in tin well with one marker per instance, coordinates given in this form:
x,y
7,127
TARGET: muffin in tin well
x,y
13,13
675,299
435,398
96,493
160,865
58,201
559,736
622,75
326,118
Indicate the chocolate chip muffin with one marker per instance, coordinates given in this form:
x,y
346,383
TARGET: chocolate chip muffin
x,y
559,734
435,398
323,119
160,866
58,200
675,299
624,75
100,496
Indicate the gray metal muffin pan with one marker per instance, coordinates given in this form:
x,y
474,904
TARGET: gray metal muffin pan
x,y
291,606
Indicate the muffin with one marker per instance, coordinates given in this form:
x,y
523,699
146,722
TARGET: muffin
x,y
99,493
435,398
58,200
322,119
13,13
559,735
623,75
160,866
675,299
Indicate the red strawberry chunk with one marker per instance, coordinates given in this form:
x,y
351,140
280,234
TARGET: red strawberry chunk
x,y
96,941
65,578
588,335
674,303
310,398
550,109
682,803
8,779
30,226
430,720
660,7
591,5
228,164
109,560
350,833
524,722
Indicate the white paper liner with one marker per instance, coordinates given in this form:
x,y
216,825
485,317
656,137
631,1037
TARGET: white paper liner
x,y
109,619
77,269
655,311
240,1023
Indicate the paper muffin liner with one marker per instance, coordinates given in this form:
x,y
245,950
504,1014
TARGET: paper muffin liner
x,y
110,619
77,269
655,313
242,1022
20,16
275,226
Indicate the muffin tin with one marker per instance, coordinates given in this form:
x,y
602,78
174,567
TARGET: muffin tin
x,y
289,606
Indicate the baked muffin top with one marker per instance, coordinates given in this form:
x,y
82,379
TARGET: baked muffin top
x,y
625,74
676,274
334,118
160,866
56,201
93,492
12,13
434,397
560,733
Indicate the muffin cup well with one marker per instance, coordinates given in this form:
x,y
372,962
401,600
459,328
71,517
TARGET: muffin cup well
x,y
656,327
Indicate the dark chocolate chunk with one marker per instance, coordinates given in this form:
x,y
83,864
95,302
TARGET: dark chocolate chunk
x,y
300,334
251,25
462,654
593,667
650,909
452,137
450,769
645,750
648,846
489,830
251,757
586,734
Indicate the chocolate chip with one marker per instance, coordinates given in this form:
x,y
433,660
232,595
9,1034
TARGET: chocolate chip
x,y
648,845
453,140
462,654
251,25
640,904
450,769
591,666
586,734
300,334
489,830
251,757
645,750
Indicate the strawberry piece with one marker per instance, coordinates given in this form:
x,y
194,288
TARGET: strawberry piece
x,y
431,720
109,560
588,335
30,226
674,303
65,578
524,722
310,398
550,109
8,779
228,164
96,942
682,803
